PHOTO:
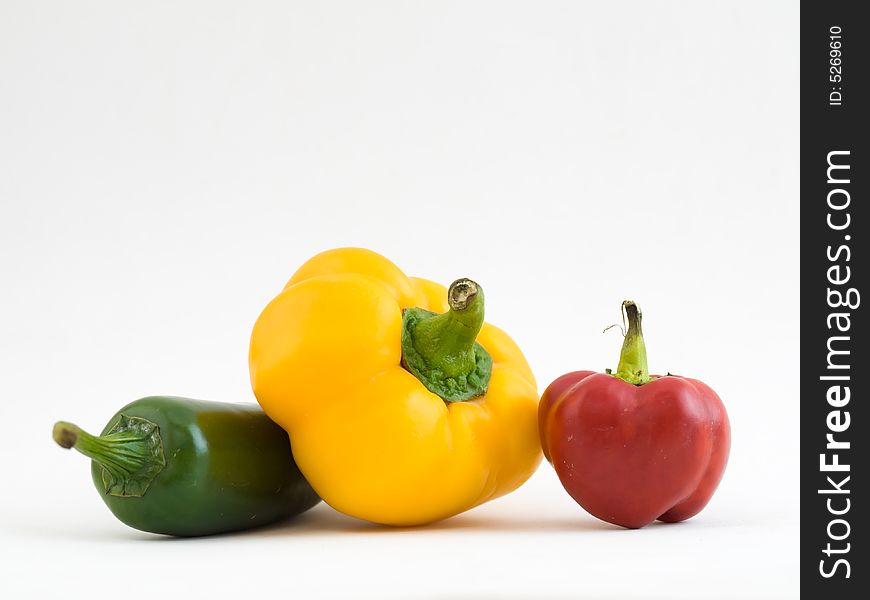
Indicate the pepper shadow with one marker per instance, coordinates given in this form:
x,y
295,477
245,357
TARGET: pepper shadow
x,y
324,520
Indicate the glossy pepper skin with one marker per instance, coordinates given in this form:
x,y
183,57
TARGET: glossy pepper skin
x,y
631,448
331,361
183,467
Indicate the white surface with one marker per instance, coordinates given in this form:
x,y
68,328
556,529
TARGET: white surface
x,y
164,167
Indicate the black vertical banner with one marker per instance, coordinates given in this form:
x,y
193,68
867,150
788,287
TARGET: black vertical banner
x,y
835,227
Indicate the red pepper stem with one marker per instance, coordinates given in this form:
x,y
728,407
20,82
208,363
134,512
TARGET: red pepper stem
x,y
632,366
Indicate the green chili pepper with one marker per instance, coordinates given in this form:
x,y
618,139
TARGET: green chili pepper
x,y
186,467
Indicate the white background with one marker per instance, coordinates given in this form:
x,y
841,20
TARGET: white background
x,y
165,167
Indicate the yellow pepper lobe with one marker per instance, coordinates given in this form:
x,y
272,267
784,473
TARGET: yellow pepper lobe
x,y
373,441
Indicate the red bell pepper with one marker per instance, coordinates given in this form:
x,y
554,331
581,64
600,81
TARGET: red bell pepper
x,y
631,448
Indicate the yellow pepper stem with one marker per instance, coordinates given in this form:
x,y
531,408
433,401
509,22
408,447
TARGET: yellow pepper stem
x,y
440,350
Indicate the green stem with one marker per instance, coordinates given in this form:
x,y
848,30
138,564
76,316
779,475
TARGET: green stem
x,y
632,359
440,350
130,455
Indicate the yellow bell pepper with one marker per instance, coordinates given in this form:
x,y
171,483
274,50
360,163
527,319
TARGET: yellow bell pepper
x,y
396,416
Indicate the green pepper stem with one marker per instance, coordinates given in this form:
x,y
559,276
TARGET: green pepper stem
x,y
632,359
440,350
121,453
